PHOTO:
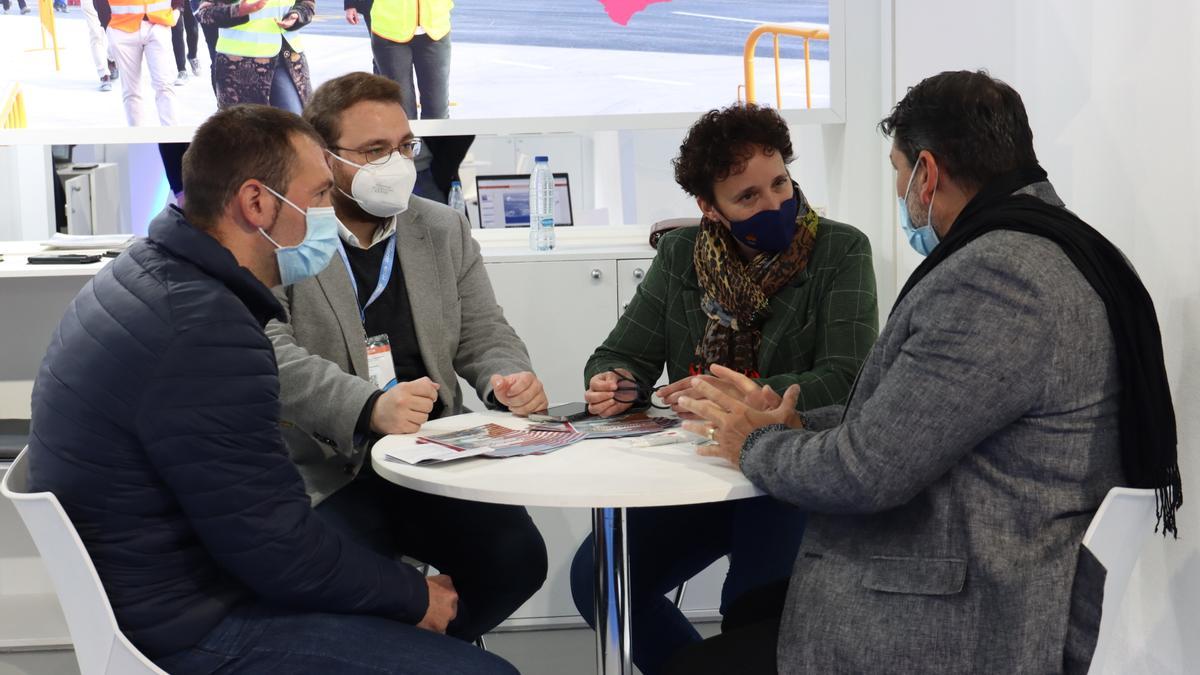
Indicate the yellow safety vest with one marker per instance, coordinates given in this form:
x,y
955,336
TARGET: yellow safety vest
x,y
127,14
397,20
260,37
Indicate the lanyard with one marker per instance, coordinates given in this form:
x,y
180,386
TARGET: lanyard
x,y
385,275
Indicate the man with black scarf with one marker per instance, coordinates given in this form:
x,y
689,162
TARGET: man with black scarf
x,y
1019,378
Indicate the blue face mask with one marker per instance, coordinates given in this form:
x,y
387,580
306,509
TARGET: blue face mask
x,y
309,257
922,239
769,231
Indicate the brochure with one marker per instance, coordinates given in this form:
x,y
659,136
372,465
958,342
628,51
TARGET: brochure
x,y
625,426
488,440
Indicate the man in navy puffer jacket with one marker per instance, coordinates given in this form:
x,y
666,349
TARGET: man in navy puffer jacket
x,y
155,422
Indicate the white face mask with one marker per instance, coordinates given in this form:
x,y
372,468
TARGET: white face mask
x,y
382,190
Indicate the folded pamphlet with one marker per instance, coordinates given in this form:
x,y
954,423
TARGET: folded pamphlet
x,y
488,440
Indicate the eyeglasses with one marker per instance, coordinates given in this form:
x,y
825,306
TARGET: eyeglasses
x,y
379,154
632,391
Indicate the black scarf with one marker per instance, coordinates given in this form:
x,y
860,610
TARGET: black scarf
x,y
1146,417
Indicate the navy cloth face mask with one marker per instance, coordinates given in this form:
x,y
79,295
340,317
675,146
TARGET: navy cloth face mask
x,y
769,231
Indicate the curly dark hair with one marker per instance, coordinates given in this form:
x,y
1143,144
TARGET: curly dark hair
x,y
721,142
973,123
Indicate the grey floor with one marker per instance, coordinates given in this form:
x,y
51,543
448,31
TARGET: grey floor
x,y
557,652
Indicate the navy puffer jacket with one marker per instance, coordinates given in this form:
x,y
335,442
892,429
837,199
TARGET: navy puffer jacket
x,y
156,423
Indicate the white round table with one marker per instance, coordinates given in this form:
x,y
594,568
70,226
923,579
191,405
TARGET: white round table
x,y
605,475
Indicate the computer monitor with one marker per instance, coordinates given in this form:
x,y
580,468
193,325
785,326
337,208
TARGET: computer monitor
x,y
504,200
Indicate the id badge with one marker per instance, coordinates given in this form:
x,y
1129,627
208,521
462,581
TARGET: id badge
x,y
380,368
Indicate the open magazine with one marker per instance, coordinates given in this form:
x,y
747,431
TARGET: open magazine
x,y
487,440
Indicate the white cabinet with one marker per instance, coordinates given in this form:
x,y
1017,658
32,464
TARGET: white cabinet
x,y
562,310
629,274
93,204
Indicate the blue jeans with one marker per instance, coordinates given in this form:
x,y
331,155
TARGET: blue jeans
x,y
255,638
283,91
493,552
430,60
669,545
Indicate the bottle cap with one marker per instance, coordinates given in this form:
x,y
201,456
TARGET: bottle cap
x,y
541,158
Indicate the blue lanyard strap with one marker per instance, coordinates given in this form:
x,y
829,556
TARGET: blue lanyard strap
x,y
385,274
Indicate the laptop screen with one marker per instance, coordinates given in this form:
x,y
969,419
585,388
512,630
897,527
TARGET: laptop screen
x,y
504,200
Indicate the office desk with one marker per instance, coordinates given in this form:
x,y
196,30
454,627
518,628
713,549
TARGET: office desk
x,y
607,476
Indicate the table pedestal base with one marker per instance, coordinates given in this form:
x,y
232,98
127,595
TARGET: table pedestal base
x,y
613,656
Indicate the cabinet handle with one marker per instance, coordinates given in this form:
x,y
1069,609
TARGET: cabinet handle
x,y
595,273
638,273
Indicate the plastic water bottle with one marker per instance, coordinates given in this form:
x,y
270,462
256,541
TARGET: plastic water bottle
x,y
541,205
456,200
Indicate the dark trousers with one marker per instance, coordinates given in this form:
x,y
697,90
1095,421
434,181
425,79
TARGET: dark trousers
x,y
185,26
283,90
669,545
429,60
493,553
256,638
746,645
7,4
211,35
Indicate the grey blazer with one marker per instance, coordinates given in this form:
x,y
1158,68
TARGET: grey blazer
x,y
948,507
322,355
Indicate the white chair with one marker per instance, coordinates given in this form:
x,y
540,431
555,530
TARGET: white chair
x,y
100,647
1118,532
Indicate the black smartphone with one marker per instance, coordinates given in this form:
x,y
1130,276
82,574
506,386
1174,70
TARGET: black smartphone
x,y
566,412
63,259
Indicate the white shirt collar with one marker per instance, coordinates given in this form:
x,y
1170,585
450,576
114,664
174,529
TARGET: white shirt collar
x,y
381,234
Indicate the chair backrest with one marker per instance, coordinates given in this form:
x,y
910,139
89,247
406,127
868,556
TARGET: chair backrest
x,y
1118,532
100,647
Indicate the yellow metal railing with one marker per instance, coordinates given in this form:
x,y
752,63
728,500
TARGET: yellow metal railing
x,y
12,109
776,30
46,14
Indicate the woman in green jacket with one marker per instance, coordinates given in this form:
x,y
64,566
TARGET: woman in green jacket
x,y
764,286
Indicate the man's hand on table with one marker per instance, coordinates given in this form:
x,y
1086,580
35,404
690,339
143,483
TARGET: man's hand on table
x,y
443,604
404,408
522,393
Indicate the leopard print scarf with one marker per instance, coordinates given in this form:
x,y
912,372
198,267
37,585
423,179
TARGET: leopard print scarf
x,y
737,293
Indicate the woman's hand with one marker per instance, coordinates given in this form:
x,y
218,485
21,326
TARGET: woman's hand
x,y
729,419
248,7
601,393
671,393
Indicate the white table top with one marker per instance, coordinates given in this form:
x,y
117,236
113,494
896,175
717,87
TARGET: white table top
x,y
14,265
591,474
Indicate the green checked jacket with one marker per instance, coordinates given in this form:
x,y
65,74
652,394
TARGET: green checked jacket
x,y
821,326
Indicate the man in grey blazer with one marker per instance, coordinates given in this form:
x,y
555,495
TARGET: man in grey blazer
x,y
948,499
374,345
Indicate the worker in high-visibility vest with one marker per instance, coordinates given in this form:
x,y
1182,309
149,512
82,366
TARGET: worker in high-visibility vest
x,y
407,37
102,52
259,56
140,30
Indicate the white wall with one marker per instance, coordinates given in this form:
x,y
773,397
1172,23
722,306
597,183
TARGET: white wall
x,y
1113,94
26,204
